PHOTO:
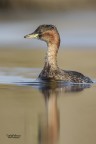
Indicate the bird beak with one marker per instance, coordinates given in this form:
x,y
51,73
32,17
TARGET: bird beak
x,y
32,35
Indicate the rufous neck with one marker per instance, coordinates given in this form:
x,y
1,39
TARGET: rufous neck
x,y
53,44
51,56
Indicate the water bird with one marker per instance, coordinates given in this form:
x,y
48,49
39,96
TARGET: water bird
x,y
51,71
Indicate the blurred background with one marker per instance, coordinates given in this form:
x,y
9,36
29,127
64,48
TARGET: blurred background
x,y
21,60
47,4
75,20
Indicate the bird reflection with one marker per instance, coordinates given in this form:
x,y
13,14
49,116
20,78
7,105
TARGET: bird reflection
x,y
49,126
49,123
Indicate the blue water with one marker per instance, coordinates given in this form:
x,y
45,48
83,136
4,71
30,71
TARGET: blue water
x,y
29,77
17,75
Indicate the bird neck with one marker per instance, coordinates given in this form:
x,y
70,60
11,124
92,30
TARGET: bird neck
x,y
51,56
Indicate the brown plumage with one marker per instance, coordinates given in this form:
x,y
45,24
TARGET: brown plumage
x,y
51,71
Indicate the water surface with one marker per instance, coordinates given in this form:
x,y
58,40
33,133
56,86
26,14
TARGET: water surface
x,y
35,112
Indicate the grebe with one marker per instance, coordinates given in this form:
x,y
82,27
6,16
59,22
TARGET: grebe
x,y
51,71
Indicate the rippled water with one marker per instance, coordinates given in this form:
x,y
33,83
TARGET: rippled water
x,y
21,75
16,75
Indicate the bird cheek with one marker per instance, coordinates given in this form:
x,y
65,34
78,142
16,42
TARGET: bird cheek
x,y
45,37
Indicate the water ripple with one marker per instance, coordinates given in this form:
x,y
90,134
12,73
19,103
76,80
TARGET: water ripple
x,y
28,77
